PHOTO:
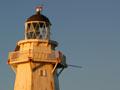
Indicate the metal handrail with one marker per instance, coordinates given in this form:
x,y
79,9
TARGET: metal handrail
x,y
33,54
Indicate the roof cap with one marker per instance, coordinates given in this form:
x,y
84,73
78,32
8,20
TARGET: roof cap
x,y
38,16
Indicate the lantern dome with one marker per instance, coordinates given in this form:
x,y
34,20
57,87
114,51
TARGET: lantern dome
x,y
38,17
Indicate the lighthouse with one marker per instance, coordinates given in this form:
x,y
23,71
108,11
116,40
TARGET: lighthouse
x,y
35,60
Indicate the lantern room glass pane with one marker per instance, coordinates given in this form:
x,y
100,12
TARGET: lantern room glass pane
x,y
37,30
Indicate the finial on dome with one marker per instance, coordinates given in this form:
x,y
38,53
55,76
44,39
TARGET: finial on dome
x,y
39,9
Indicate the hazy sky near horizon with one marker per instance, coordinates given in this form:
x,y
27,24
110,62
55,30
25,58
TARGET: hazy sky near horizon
x,y
88,32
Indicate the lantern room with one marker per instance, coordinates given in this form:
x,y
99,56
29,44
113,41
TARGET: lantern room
x,y
37,26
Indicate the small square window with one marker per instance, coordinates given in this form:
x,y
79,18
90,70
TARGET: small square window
x,y
43,73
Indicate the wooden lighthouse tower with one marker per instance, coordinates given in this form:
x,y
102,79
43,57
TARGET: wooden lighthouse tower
x,y
35,61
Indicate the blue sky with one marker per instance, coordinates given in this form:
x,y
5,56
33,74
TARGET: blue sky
x,y
88,32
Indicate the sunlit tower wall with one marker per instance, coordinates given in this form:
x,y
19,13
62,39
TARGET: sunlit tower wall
x,y
35,61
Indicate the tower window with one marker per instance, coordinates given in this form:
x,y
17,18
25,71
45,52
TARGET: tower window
x,y
43,73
